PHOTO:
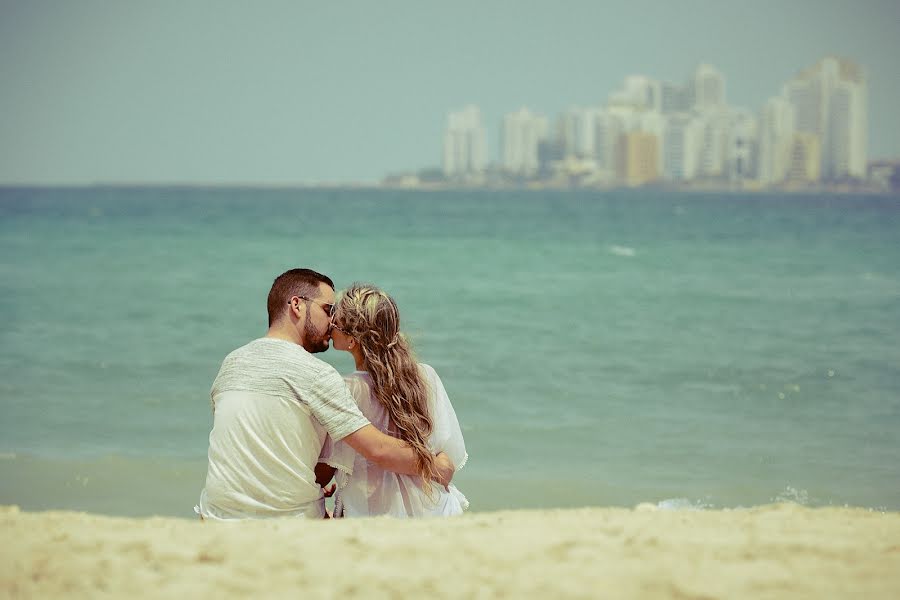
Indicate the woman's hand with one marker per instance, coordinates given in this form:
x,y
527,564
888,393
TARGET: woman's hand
x,y
445,469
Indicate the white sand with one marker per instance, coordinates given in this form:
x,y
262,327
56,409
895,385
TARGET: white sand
x,y
780,551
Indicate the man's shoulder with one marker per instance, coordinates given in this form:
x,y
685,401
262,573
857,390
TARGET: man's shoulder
x,y
270,365
277,356
302,363
273,348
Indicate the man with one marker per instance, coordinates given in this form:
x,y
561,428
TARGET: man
x,y
274,403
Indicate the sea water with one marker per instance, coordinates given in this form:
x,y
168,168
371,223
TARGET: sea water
x,y
600,348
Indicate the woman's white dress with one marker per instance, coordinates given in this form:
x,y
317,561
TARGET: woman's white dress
x,y
365,489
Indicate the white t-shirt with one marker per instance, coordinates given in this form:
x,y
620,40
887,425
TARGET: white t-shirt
x,y
273,403
365,489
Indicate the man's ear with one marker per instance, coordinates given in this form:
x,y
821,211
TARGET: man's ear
x,y
294,307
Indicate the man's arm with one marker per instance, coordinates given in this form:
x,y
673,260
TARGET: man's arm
x,y
395,455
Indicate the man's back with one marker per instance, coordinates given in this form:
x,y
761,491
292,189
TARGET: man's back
x,y
273,403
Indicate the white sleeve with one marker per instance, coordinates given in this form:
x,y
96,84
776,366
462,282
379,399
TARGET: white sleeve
x,y
446,435
337,454
332,405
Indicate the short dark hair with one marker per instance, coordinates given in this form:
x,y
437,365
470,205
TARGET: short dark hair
x,y
296,282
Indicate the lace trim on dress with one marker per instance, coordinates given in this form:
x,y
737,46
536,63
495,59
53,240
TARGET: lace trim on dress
x,y
338,466
465,501
463,463
341,478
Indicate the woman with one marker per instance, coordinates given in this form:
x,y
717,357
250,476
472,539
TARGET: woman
x,y
400,397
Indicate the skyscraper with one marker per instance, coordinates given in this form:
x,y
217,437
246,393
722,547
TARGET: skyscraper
x,y
674,98
521,137
681,147
776,136
742,145
639,92
714,130
575,130
805,158
708,87
465,144
608,126
637,158
829,101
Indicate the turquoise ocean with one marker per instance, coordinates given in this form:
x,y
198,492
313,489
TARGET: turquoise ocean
x,y
692,350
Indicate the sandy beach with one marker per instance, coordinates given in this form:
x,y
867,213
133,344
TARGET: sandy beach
x,y
777,551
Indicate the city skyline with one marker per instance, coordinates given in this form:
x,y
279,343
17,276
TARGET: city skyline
x,y
287,93
812,131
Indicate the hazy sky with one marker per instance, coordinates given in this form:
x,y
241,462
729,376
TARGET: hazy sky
x,y
291,92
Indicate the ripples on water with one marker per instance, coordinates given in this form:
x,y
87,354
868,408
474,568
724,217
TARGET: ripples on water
x,y
614,348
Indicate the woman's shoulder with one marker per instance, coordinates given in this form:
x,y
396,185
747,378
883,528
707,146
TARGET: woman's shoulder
x,y
364,375
361,388
428,370
358,382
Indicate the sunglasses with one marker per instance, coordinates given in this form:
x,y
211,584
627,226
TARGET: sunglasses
x,y
328,308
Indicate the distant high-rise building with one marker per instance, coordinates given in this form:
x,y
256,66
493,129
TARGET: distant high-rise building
x,y
521,137
674,98
741,146
575,130
654,123
844,152
829,101
638,92
713,143
681,147
805,158
608,126
637,156
776,137
465,144
708,89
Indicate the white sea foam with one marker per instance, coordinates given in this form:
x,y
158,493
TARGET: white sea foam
x,y
622,251
682,504
793,495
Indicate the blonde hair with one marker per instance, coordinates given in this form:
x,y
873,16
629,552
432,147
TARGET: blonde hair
x,y
370,316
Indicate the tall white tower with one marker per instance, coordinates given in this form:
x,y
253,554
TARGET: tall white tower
x,y
521,135
776,134
465,143
829,101
576,131
681,147
741,152
640,93
608,126
714,129
708,89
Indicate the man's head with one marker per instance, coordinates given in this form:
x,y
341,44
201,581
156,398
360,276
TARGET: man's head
x,y
301,303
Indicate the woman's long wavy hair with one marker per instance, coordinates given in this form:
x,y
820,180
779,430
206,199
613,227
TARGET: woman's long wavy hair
x,y
370,315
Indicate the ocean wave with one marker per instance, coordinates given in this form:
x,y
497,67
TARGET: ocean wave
x,y
622,251
792,495
683,504
789,495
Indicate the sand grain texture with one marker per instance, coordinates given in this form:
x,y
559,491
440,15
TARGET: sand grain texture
x,y
779,551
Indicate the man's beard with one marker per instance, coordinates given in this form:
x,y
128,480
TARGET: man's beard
x,y
313,341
